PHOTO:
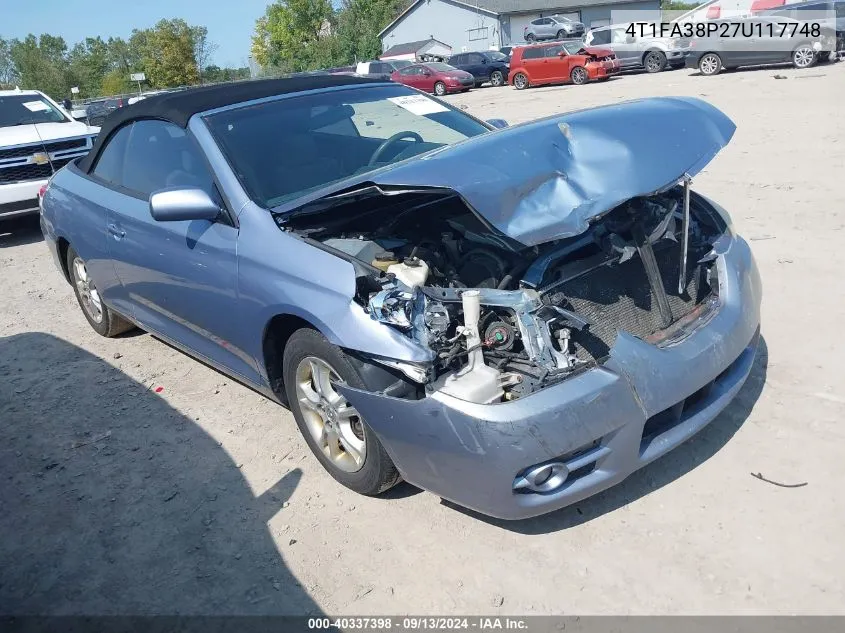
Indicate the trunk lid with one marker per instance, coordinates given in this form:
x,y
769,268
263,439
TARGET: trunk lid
x,y
547,179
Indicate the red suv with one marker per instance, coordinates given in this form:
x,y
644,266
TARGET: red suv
x,y
560,62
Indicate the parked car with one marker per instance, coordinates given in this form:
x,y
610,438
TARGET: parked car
x,y
485,66
555,27
354,250
710,55
97,111
651,53
560,62
381,70
830,14
436,77
37,138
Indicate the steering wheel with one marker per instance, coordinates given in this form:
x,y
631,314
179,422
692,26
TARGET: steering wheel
x,y
390,141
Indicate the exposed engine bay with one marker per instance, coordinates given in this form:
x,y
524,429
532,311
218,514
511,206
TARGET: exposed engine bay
x,y
503,320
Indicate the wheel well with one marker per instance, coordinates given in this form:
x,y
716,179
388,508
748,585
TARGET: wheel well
x,y
276,335
652,50
62,245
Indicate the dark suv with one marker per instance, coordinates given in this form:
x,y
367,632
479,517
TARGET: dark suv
x,y
486,66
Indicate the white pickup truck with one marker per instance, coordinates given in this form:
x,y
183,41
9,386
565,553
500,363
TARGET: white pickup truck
x,y
37,138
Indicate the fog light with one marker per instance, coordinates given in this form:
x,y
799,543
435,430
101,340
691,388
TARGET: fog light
x,y
542,478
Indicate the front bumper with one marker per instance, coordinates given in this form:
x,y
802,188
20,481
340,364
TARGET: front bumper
x,y
598,70
20,198
604,424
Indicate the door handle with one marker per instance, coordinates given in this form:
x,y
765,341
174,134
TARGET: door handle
x,y
116,231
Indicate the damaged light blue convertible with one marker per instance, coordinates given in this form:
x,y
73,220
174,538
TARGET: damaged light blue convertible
x,y
513,319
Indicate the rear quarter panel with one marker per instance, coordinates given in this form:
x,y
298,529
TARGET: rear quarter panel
x,y
74,210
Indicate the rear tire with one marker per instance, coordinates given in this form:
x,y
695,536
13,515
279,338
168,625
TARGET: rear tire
x,y
331,428
105,321
520,81
530,38
440,89
804,57
654,61
710,64
579,76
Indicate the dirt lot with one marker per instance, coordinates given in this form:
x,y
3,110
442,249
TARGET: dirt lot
x,y
202,498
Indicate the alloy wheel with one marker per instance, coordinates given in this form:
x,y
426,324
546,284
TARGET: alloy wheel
x,y
579,76
89,295
652,62
439,89
520,81
334,424
804,57
709,65
497,79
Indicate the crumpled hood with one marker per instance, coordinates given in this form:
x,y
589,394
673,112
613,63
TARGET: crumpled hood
x,y
546,180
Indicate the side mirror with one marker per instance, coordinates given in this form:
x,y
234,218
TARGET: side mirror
x,y
630,39
427,73
497,123
183,203
483,60
79,114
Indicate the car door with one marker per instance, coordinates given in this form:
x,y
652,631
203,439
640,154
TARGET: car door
x,y
557,63
478,67
534,64
179,277
426,78
412,76
751,46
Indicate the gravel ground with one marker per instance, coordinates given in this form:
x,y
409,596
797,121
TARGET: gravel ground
x,y
200,497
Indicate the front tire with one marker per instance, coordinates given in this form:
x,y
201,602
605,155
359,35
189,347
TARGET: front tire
x,y
710,64
520,81
102,319
579,76
334,431
497,79
561,34
440,89
654,62
804,57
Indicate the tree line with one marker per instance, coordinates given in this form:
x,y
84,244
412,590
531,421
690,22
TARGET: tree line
x,y
171,53
299,35
291,36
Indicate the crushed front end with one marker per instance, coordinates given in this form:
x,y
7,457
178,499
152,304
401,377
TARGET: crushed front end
x,y
567,346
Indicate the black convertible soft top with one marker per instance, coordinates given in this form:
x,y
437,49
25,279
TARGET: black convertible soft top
x,y
179,107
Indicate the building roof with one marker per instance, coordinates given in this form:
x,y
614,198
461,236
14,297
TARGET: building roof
x,y
504,7
411,47
179,107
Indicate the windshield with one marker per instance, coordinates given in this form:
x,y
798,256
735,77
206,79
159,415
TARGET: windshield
x,y
496,56
441,67
27,109
573,48
400,63
283,149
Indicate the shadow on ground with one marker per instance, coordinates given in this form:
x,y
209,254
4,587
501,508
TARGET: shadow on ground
x,y
115,503
662,472
20,231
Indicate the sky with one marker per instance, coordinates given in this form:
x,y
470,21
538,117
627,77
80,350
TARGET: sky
x,y
230,24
